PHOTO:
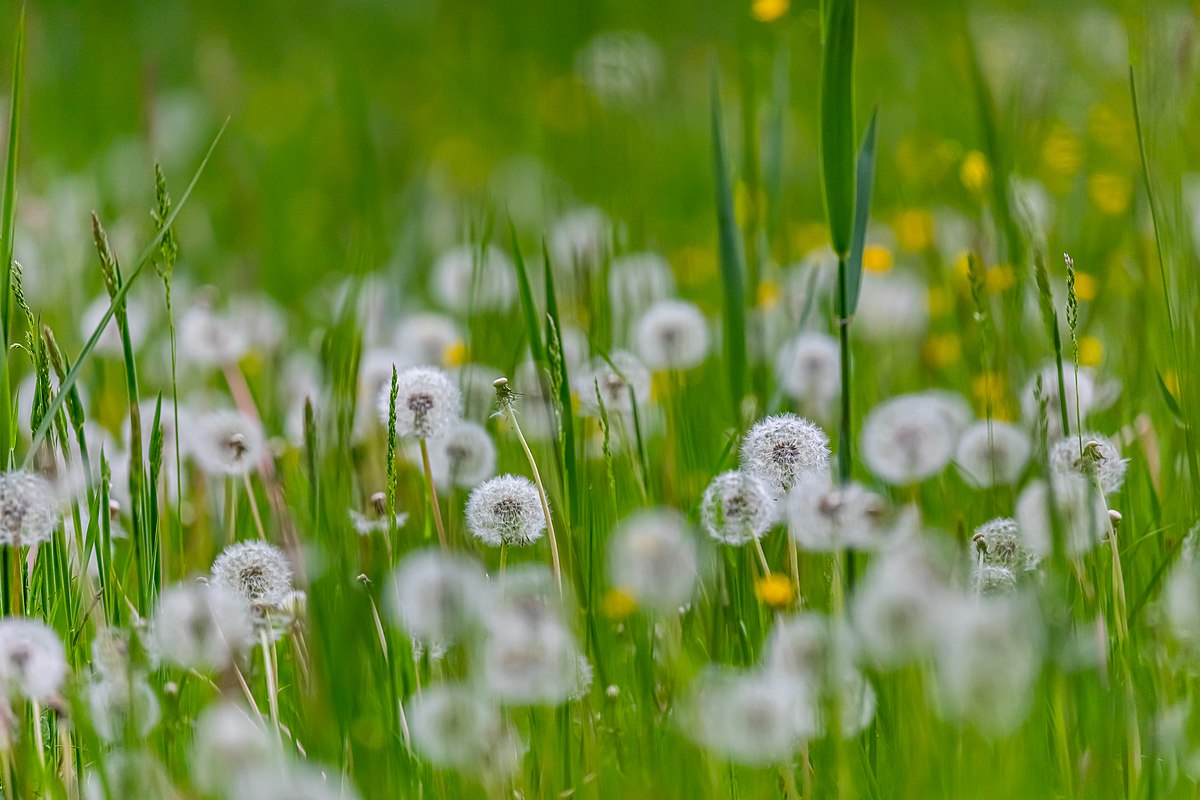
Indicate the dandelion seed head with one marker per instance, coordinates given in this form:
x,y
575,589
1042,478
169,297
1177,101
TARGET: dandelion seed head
x,y
672,334
226,442
33,663
208,338
229,741
203,627
999,543
752,718
1078,505
116,705
823,517
737,507
989,579
435,596
1100,457
652,557
427,338
908,439
621,68
532,665
506,510
258,571
809,648
896,608
622,383
581,240
29,508
809,370
427,403
468,277
892,305
781,448
992,454
464,456
456,727
637,281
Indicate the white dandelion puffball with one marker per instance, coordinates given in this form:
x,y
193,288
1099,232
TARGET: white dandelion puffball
x,y
1080,509
808,369
427,402
652,558
780,449
621,68
463,456
535,665
989,579
201,626
137,318
999,543
208,338
992,453
1181,602
427,338
226,442
257,571
29,508
454,726
736,508
506,510
116,705
374,387
469,277
33,663
436,596
892,306
580,240
987,660
809,648
621,383
823,517
908,439
672,334
637,281
296,781
229,740
752,718
896,608
1084,395
476,384
1090,454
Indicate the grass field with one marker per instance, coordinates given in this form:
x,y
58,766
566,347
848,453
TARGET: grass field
x,y
601,399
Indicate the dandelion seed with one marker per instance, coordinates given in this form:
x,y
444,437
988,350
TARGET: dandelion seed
x,y
992,454
229,741
672,335
227,443
464,456
779,449
823,517
1078,505
201,627
29,509
1100,457
33,663
809,370
435,596
468,277
622,382
256,570
908,439
652,558
737,508
506,510
427,403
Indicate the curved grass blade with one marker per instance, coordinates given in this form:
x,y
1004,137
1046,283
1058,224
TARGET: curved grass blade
x,y
732,261
864,178
837,121
528,308
8,212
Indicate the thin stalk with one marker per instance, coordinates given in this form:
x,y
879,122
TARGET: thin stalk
x,y
537,479
272,683
433,499
262,534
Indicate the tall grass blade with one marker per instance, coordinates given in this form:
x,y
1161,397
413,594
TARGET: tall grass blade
x,y
864,177
733,268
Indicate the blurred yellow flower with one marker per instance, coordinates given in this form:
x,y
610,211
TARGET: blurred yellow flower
x,y
1110,192
877,258
914,229
1062,153
1085,287
808,236
942,349
455,354
962,266
618,604
768,294
697,266
940,301
989,388
975,172
999,278
1090,351
1171,381
769,10
774,590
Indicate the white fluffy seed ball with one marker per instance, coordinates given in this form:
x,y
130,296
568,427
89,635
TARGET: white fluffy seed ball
x,y
506,510
672,334
427,402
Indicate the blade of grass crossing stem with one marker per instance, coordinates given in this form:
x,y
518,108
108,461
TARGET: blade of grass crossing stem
x,y
567,420
529,309
732,267
8,212
864,175
143,259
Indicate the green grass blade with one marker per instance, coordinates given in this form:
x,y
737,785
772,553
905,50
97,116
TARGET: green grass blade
x,y
528,307
732,261
864,178
567,420
837,121
142,260
8,210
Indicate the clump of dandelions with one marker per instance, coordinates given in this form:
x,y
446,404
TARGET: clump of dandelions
x,y
779,449
672,334
506,510
1077,504
652,558
203,627
1098,455
427,403
992,453
908,438
464,456
28,508
257,571
33,663
737,508
436,596
227,442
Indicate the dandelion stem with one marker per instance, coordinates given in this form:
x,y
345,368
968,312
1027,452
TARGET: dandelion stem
x,y
254,507
272,684
433,499
511,414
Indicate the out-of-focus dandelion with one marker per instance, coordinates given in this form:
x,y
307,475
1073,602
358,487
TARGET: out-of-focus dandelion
x,y
823,517
907,439
672,335
463,456
737,508
1091,455
33,663
992,453
472,277
652,558
808,370
436,596
29,509
201,627
1082,516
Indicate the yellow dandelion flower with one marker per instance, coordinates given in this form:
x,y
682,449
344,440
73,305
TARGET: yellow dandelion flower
x,y
774,590
769,10
942,349
1062,152
769,293
999,278
808,236
975,172
989,388
940,301
1085,287
914,229
1110,192
618,604
455,354
1090,351
877,258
